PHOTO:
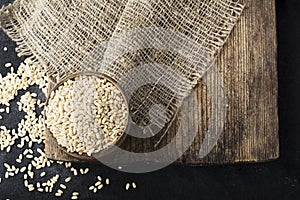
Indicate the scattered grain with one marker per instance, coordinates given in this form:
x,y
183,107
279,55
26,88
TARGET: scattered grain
x,y
134,185
68,179
42,174
40,189
31,129
23,170
7,65
91,187
127,186
100,187
63,186
75,193
95,190
58,194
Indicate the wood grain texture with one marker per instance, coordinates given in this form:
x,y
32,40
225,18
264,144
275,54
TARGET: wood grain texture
x,y
248,69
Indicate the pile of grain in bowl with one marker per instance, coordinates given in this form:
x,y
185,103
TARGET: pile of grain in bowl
x,y
86,114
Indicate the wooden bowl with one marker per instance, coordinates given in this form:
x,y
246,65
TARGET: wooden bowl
x,y
106,150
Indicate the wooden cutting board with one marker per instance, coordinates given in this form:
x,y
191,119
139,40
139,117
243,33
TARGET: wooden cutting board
x,y
248,69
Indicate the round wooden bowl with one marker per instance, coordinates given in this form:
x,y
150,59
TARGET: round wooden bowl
x,y
106,150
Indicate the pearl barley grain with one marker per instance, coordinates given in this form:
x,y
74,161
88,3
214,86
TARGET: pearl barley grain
x,y
91,187
75,193
43,174
127,186
100,186
96,111
63,186
31,130
86,170
134,185
68,179
7,65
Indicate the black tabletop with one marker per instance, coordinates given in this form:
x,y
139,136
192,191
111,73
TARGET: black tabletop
x,y
278,179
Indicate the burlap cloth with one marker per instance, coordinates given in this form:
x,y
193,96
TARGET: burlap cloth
x,y
156,50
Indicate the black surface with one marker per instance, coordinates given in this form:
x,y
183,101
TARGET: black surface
x,y
273,180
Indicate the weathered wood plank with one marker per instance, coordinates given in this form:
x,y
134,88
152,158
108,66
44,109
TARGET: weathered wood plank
x,y
247,65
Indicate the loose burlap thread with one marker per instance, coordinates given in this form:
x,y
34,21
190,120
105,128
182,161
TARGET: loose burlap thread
x,y
117,37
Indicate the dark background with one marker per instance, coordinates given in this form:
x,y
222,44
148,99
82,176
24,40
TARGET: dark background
x,y
278,179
